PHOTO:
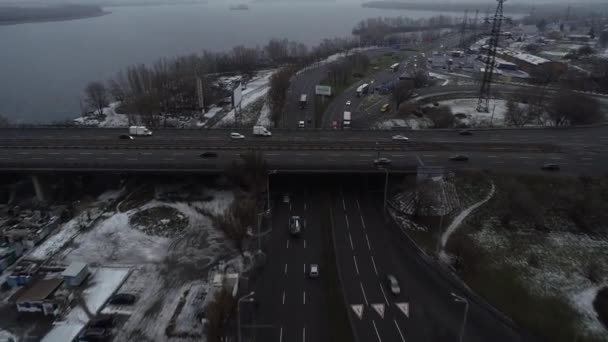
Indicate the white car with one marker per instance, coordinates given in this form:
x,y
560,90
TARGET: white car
x,y
301,124
314,271
234,135
400,137
348,103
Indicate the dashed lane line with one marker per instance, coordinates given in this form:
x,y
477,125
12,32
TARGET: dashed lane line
x,y
356,266
420,160
376,329
283,297
362,222
399,330
285,269
304,298
374,264
347,225
350,238
384,294
369,247
363,291
287,244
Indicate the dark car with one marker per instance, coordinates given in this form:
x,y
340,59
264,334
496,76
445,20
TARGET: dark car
x,y
393,284
209,154
125,136
460,157
550,167
382,161
465,132
94,335
123,299
102,321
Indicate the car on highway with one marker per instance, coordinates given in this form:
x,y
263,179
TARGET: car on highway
x,y
236,136
348,103
285,198
385,108
550,167
94,335
400,137
459,157
209,154
314,271
125,137
465,132
393,284
382,161
123,299
296,224
301,124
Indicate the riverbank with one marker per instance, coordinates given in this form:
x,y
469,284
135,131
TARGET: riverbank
x,y
22,15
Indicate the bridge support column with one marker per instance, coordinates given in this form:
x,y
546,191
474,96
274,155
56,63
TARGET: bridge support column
x,y
42,193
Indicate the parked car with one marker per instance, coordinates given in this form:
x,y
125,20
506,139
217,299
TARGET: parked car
x,y
102,321
123,299
550,167
235,135
393,284
209,154
125,137
400,137
314,271
459,157
382,161
465,132
94,335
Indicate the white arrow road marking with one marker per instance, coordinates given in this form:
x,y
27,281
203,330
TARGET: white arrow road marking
x,y
405,308
379,309
358,309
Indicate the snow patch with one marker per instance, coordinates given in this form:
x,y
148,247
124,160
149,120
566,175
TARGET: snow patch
x,y
468,107
111,119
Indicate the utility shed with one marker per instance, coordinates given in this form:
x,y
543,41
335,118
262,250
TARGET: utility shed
x,y
75,274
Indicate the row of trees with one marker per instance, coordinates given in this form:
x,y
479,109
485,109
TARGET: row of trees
x,y
170,85
375,30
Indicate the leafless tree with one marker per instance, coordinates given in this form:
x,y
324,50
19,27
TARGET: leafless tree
x,y
571,108
441,117
277,94
516,115
96,96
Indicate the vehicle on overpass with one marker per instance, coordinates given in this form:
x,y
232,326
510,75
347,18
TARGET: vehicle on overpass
x,y
382,162
400,137
362,89
394,67
459,157
236,136
303,101
296,224
346,120
140,131
261,131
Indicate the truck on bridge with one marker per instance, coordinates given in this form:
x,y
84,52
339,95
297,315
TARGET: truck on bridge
x,y
346,120
140,131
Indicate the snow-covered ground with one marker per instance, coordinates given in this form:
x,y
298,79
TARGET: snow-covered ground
x,y
256,89
468,107
265,118
563,257
409,123
445,79
112,119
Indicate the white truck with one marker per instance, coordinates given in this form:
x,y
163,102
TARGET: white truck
x,y
346,121
261,131
140,131
362,89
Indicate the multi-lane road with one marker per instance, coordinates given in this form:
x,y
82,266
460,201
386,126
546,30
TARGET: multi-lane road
x,y
294,307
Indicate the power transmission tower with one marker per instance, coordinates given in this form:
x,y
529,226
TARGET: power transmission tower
x,y
463,29
484,94
475,23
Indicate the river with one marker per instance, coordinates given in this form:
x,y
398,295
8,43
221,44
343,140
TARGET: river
x,y
45,66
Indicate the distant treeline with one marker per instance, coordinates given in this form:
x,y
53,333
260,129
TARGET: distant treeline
x,y
445,6
13,15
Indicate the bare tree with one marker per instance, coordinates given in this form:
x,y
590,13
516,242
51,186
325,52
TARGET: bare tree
x,y
441,117
571,108
516,115
277,94
96,96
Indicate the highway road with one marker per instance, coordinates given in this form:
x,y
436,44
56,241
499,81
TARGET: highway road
x,y
367,250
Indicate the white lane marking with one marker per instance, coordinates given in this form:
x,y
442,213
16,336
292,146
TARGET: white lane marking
x,y
429,155
132,159
335,155
272,154
399,330
374,263
281,335
352,247
116,153
85,153
366,155
375,328
305,244
283,297
492,157
369,247
302,154
304,268
37,158
168,159
363,291
178,154
555,158
53,153
586,158
379,309
146,154
524,157
347,225
343,204
304,206
384,295
362,222
304,297
356,266
285,269
405,308
419,160
70,158
303,334
358,206
23,153
4,158
398,155
287,244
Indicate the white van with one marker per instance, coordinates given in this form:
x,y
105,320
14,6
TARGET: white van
x,y
301,124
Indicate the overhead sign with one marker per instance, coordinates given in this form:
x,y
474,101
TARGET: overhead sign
x,y
358,309
379,309
323,90
405,308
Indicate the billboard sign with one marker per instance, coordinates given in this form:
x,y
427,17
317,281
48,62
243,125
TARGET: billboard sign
x,y
323,90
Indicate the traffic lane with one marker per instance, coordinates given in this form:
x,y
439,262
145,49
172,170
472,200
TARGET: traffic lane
x,y
352,285
570,163
433,312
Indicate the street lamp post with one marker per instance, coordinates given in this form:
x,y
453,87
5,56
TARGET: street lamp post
x,y
460,299
238,312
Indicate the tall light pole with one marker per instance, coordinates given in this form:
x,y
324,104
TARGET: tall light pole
x,y
238,311
459,299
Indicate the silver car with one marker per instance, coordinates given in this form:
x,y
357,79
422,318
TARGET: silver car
x,y
393,284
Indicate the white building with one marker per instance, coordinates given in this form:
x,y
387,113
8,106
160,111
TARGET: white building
x,y
75,274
